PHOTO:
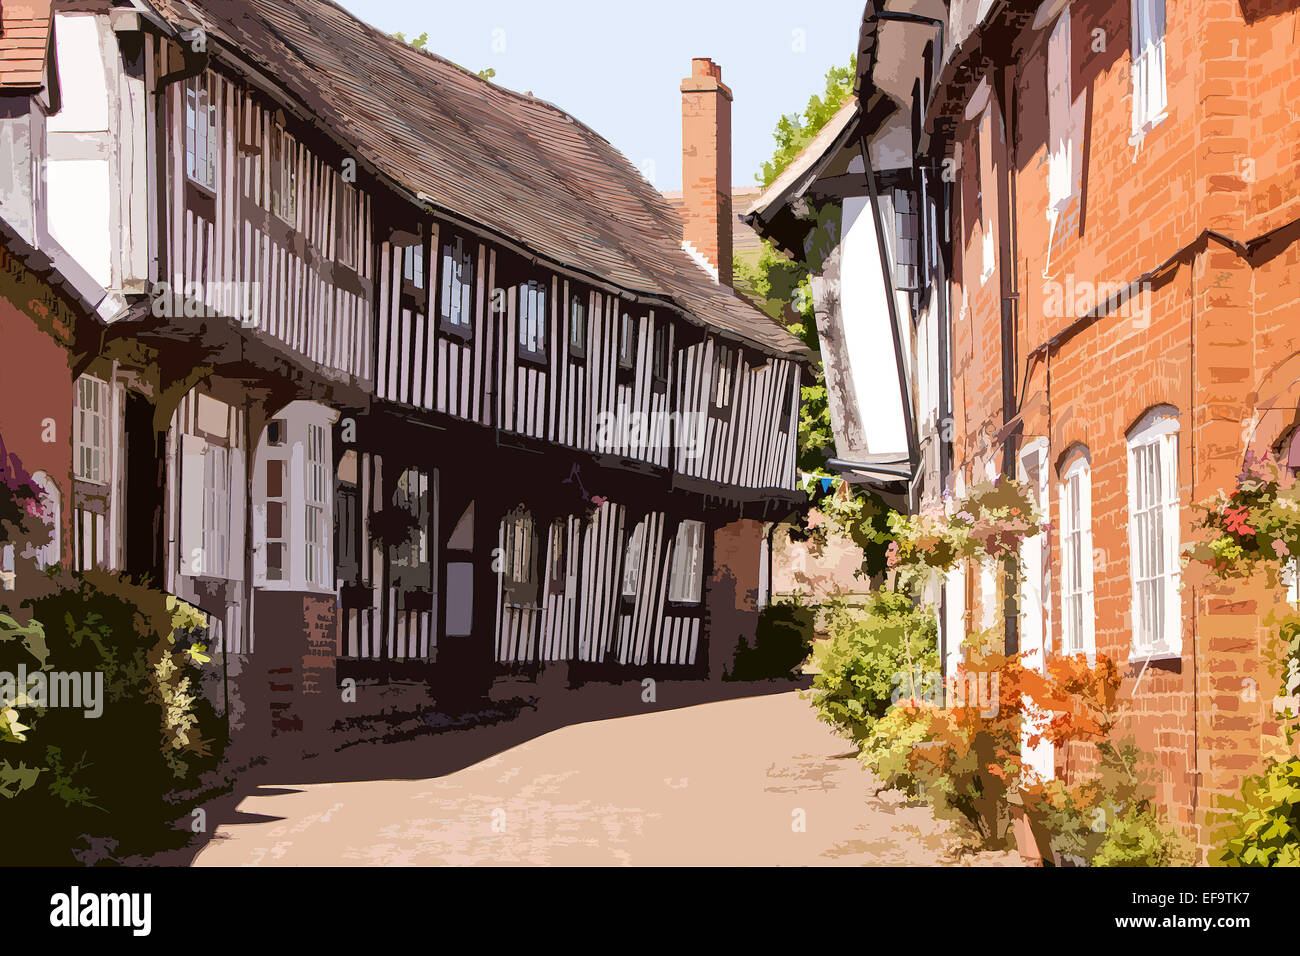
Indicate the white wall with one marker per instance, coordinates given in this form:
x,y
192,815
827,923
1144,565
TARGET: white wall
x,y
868,334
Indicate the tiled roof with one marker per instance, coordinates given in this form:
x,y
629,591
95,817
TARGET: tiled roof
x,y
514,164
24,42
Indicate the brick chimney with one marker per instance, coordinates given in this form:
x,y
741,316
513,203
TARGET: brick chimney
x,y
706,166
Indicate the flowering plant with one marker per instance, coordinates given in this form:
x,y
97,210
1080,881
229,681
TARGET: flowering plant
x,y
990,521
1257,523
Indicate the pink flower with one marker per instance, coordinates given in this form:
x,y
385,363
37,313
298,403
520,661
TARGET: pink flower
x,y
891,554
1280,549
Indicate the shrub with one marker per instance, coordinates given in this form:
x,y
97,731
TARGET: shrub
x,y
873,657
888,748
970,762
1266,827
782,642
1138,838
115,773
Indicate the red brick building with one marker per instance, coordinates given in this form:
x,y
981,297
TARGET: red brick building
x,y
1125,221
1103,296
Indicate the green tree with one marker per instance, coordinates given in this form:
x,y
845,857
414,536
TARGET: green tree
x,y
795,131
781,287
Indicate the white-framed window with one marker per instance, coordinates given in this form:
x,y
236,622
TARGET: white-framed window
x,y
276,497
293,496
1154,535
284,176
349,217
1062,132
988,193
532,318
91,449
201,131
632,561
456,305
211,471
1078,627
1150,99
317,502
686,579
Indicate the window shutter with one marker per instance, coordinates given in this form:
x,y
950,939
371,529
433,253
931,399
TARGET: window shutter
x,y
192,504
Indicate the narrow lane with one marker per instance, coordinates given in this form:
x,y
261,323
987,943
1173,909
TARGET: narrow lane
x,y
747,781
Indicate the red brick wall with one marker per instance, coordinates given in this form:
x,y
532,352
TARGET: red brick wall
x,y
731,594
1215,343
39,386
706,165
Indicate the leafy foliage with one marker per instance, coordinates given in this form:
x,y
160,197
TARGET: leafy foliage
x,y
1266,827
1258,522
782,642
872,657
114,773
1137,837
794,131
990,521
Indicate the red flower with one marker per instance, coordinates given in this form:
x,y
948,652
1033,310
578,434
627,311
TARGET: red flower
x,y
1234,519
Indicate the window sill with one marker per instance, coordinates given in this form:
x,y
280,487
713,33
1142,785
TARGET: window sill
x,y
1153,657
533,358
464,333
1142,132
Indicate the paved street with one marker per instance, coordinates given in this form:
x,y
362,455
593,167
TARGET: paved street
x,y
754,780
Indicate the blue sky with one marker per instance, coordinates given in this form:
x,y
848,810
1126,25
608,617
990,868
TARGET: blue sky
x,y
618,66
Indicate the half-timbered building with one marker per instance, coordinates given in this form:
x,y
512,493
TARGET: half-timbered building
x,y
392,370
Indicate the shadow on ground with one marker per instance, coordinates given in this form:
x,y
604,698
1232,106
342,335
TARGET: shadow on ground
x,y
431,743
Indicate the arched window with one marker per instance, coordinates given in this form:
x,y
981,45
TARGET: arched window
x,y
47,554
1078,628
1154,559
